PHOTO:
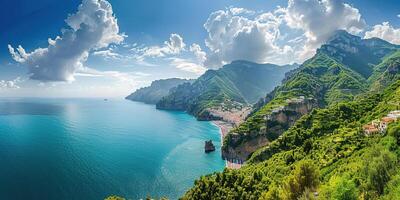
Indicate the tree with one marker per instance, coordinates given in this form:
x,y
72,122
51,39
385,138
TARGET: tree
x,y
394,130
339,188
378,167
305,176
274,193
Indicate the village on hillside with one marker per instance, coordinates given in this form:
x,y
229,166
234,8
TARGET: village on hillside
x,y
380,126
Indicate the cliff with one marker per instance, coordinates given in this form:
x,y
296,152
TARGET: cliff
x,y
279,120
157,90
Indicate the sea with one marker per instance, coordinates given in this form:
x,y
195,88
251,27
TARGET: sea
x,y
66,149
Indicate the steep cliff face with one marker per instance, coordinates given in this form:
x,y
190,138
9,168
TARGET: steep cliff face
x,y
278,121
156,91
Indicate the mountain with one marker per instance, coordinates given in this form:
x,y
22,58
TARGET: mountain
x,y
233,87
156,91
324,155
342,69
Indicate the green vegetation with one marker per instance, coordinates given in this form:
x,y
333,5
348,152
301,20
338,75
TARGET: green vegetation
x,y
114,198
156,91
342,69
386,72
121,198
233,86
324,155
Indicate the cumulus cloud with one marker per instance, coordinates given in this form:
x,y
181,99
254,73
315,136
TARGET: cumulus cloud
x,y
200,55
10,84
92,27
386,32
319,19
237,33
172,52
172,47
233,36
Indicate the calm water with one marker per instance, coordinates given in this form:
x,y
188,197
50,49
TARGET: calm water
x,y
90,148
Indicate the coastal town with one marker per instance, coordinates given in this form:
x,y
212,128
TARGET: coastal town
x,y
381,125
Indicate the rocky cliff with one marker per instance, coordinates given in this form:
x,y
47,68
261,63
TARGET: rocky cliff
x,y
157,90
278,121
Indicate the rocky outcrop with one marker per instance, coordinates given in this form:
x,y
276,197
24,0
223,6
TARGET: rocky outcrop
x,y
156,91
279,120
209,147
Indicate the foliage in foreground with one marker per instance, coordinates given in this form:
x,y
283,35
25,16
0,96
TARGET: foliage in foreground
x,y
323,156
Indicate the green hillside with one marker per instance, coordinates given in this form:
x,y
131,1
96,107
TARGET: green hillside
x,y
345,67
156,91
238,84
324,155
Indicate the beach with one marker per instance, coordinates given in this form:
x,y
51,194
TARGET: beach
x,y
225,127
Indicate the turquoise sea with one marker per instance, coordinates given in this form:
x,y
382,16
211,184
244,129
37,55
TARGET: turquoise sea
x,y
91,148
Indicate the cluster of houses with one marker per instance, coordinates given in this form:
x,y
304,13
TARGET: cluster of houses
x,y
380,126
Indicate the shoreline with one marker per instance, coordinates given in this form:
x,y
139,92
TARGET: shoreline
x,y
224,128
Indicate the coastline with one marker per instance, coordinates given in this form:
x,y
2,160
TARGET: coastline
x,y
224,128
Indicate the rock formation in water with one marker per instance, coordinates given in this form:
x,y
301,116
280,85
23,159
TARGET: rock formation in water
x,y
209,146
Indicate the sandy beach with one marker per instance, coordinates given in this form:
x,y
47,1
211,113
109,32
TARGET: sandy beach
x,y
225,127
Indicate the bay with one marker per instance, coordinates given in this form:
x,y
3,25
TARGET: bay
x,y
92,148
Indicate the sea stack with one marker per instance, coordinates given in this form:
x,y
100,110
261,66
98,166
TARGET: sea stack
x,y
209,147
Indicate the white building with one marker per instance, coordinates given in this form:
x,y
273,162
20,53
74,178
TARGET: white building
x,y
394,114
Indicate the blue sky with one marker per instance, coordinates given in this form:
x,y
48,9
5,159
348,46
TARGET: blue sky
x,y
160,39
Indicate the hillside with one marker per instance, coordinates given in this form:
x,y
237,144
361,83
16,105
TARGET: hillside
x,y
324,155
343,68
156,91
233,87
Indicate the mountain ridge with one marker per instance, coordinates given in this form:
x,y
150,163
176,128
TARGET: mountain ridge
x,y
328,77
235,86
158,89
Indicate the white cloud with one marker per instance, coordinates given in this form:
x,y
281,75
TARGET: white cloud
x,y
238,11
319,20
94,26
172,47
236,33
107,54
129,79
200,55
232,36
398,15
172,52
10,84
386,32
187,65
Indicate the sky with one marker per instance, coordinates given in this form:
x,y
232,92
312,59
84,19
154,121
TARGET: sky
x,y
100,48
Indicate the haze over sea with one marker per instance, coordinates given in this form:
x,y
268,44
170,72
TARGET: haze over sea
x,y
91,148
